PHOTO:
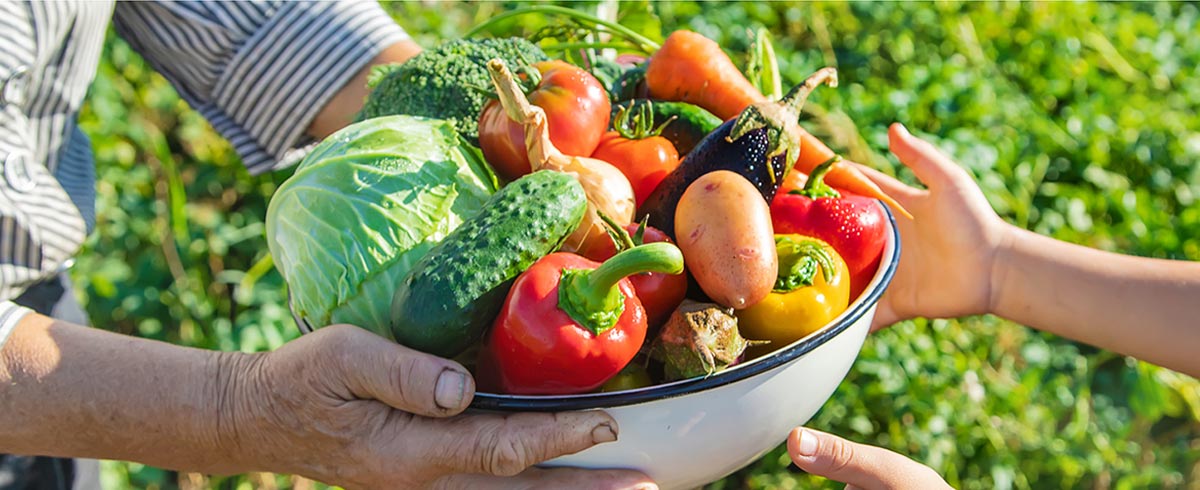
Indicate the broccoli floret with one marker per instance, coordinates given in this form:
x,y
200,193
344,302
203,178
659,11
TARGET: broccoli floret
x,y
447,82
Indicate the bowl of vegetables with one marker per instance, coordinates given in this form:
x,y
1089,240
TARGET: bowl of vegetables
x,y
694,431
668,245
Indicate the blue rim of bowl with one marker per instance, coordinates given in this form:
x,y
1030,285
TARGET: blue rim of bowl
x,y
586,401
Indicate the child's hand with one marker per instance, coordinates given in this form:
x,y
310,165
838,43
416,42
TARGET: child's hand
x,y
948,249
859,466
959,258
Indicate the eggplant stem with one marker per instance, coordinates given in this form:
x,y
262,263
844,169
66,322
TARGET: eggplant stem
x,y
780,120
796,97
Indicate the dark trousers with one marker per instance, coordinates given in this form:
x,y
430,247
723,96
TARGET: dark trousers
x,y
51,298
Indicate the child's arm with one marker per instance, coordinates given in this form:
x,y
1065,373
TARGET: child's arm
x,y
960,258
1141,307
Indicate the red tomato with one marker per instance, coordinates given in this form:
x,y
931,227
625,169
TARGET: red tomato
x,y
645,162
577,109
660,293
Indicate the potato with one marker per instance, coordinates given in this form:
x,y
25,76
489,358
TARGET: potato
x,y
723,227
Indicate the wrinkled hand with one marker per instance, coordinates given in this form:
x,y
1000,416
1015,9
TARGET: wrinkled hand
x,y
344,406
949,248
857,465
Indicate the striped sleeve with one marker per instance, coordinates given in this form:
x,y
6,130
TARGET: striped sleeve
x,y
10,314
40,226
258,71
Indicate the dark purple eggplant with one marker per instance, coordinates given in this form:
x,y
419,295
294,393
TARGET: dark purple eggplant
x,y
760,144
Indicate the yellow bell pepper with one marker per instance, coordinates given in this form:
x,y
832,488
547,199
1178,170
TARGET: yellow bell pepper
x,y
812,289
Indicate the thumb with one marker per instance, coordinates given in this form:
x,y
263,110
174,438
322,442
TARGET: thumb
x,y
405,379
858,465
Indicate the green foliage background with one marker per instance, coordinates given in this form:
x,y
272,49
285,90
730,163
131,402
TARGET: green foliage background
x,y
1080,121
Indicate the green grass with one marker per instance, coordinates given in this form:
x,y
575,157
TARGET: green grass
x,y
1080,121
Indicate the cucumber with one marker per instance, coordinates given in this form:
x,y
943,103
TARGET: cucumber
x,y
453,293
691,123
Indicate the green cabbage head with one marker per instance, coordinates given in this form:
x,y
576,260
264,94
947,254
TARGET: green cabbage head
x,y
362,207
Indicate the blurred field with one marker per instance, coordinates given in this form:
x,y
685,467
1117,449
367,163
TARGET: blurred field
x,y
1080,120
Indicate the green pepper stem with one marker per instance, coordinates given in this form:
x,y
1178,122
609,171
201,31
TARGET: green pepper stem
x,y
816,186
799,261
651,257
642,43
591,297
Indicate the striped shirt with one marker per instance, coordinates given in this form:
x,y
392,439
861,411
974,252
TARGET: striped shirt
x,y
258,71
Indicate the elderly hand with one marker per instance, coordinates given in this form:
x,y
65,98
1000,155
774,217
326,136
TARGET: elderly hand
x,y
858,466
347,407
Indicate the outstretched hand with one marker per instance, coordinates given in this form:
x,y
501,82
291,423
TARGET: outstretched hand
x,y
950,245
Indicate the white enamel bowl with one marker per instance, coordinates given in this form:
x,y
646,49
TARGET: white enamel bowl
x,y
692,432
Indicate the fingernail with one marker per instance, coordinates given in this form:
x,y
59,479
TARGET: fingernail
x,y
451,389
808,443
646,486
604,433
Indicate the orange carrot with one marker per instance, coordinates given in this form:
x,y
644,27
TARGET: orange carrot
x,y
813,152
692,68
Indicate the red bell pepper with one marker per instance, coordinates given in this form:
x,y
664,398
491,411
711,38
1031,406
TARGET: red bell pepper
x,y
853,225
569,324
659,293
